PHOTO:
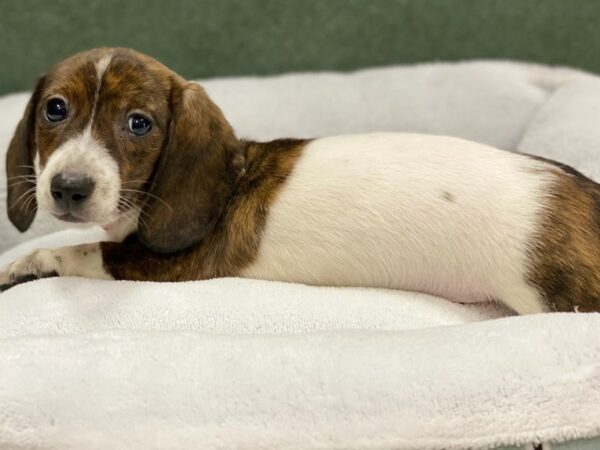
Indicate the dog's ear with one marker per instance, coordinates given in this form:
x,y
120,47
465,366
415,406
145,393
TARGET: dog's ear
x,y
20,199
195,174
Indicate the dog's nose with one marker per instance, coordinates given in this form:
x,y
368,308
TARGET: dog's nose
x,y
70,190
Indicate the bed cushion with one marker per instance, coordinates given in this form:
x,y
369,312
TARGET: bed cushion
x,y
252,364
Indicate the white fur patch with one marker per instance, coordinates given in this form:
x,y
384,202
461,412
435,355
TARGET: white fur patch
x,y
101,66
76,261
415,212
84,155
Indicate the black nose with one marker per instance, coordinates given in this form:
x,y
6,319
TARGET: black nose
x,y
70,190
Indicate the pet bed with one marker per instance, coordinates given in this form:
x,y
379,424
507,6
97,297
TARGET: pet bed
x,y
232,363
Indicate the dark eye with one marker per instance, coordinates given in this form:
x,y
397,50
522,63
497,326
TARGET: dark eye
x,y
139,125
56,110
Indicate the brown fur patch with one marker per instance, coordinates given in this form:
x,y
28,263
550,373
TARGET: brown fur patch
x,y
566,255
20,173
235,240
202,151
75,81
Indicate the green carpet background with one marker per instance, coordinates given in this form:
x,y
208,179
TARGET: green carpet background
x,y
207,38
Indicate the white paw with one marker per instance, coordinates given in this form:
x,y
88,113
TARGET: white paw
x,y
39,264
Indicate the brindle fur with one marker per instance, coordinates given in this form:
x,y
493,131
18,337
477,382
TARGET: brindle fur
x,y
566,254
234,242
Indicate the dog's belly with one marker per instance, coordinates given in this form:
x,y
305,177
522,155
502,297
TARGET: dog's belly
x,y
431,214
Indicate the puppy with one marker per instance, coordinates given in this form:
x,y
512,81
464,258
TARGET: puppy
x,y
114,138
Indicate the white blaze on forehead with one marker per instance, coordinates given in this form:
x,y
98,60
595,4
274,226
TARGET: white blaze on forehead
x,y
101,66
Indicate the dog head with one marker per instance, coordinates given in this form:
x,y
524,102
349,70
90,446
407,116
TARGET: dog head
x,y
111,134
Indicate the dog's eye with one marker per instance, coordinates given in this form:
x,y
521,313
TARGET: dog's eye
x,y
139,125
56,110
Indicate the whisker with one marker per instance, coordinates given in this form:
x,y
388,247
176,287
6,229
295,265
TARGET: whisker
x,y
127,204
29,202
17,183
149,195
142,220
131,206
138,208
125,201
140,212
22,177
27,192
143,214
133,181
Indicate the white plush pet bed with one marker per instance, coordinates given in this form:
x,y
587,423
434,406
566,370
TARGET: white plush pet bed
x,y
233,363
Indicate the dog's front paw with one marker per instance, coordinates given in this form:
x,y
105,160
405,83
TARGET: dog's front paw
x,y
39,264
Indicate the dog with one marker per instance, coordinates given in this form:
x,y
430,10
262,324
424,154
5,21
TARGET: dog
x,y
112,137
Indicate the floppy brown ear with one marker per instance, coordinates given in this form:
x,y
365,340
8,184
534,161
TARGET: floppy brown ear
x,y
20,180
195,176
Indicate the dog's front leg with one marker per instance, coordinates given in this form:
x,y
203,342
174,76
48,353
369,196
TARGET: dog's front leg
x,y
127,260
78,261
